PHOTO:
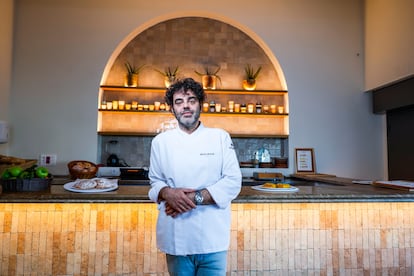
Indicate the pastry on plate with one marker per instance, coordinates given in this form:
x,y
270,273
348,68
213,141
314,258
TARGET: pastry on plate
x,y
85,184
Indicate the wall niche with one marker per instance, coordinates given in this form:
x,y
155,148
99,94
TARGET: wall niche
x,y
192,43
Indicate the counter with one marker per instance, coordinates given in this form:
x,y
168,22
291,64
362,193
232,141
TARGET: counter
x,y
329,227
318,188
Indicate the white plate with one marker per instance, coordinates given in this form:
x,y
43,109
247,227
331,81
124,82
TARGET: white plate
x,y
275,190
69,187
362,182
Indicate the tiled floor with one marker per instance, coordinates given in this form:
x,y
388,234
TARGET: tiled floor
x,y
267,239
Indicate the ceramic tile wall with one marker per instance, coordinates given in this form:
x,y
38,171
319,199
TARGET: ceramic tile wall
x,y
135,150
266,239
193,43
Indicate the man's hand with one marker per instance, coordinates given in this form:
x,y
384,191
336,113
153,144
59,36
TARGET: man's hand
x,y
177,200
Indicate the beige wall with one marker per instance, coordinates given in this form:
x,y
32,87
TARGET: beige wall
x,y
62,47
389,41
6,41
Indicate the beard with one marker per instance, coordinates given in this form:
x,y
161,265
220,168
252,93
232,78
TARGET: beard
x,y
188,122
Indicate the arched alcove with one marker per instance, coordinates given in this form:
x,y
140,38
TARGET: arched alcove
x,y
193,42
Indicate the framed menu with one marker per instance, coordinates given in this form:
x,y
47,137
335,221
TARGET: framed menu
x,y
305,160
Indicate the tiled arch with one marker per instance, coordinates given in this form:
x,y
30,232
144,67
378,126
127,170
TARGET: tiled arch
x,y
192,42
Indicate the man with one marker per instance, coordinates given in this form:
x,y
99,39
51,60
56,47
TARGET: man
x,y
194,175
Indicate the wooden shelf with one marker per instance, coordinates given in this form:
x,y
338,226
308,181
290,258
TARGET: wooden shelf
x,y
152,134
132,89
148,123
208,91
155,113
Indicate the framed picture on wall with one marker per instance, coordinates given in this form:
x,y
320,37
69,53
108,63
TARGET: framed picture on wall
x,y
305,160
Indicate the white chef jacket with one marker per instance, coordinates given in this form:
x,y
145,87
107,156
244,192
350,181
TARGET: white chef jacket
x,y
203,159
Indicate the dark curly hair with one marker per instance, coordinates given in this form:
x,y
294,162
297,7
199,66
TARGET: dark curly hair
x,y
185,85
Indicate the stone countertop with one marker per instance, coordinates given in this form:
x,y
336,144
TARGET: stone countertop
x,y
319,188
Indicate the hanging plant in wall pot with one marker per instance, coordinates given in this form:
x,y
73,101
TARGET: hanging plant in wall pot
x,y
131,77
170,75
209,77
249,83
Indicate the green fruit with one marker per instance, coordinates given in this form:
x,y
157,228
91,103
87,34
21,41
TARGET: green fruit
x,y
42,172
15,171
25,175
6,174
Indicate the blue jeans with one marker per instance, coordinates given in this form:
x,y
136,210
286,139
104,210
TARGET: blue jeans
x,y
211,264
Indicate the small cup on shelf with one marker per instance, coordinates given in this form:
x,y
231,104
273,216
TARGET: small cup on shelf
x,y
250,108
243,108
231,106
121,105
218,107
205,107
237,107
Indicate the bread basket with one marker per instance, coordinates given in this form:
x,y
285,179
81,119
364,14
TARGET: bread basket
x,y
82,169
10,161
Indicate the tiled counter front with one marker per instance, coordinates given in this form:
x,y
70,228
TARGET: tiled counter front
x,y
372,238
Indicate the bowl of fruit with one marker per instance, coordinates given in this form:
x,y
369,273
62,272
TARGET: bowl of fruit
x,y
19,179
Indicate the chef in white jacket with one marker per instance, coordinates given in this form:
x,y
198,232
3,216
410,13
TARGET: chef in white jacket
x,y
194,175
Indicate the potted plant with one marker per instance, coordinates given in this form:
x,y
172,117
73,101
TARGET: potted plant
x,y
131,77
249,83
170,75
209,77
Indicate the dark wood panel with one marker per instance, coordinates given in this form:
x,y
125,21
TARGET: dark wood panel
x,y
394,95
400,136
